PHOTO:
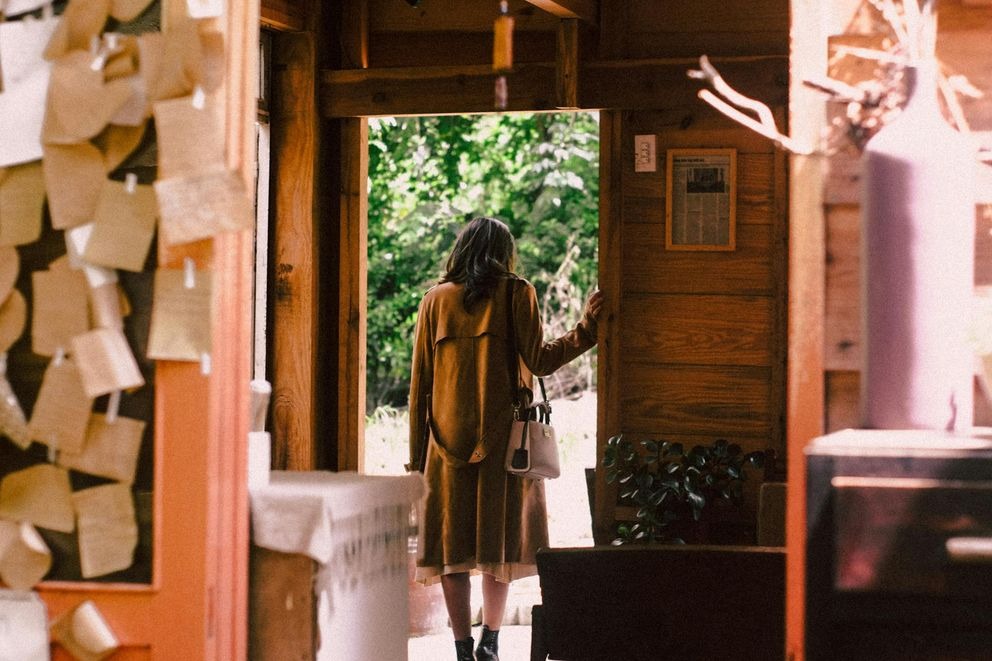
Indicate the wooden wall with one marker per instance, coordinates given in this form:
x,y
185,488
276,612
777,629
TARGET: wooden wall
x,y
695,345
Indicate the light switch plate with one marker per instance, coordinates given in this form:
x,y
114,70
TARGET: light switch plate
x,y
644,153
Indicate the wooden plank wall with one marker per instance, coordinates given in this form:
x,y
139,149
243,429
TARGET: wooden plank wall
x,y
964,48
699,337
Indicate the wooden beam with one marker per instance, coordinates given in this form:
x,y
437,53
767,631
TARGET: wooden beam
x,y
629,85
567,64
584,10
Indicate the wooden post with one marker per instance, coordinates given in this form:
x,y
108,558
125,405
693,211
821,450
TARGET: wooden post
x,y
295,143
812,23
610,255
353,294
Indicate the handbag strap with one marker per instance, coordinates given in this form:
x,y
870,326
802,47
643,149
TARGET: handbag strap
x,y
513,361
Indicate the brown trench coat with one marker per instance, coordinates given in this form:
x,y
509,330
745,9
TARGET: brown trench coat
x,y
476,515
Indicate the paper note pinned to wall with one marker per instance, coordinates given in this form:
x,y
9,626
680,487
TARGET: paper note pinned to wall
x,y
22,196
13,424
60,309
10,266
25,78
79,103
190,139
13,317
23,626
106,362
62,411
40,495
74,176
201,206
24,556
123,227
84,633
81,21
111,449
180,326
108,530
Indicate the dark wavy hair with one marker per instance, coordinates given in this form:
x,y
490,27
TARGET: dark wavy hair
x,y
484,253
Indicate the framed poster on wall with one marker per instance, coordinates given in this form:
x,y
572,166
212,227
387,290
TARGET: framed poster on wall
x,y
700,199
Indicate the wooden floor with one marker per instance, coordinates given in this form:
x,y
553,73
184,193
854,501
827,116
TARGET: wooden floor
x,y
514,645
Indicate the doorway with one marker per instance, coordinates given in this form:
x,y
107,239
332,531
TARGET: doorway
x,y
428,175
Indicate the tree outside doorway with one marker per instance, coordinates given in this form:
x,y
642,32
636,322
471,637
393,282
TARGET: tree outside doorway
x,y
429,175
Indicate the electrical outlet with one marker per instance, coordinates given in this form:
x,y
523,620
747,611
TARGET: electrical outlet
x,y
644,153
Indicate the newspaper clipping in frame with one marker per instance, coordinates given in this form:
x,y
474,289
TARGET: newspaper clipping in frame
x,y
701,199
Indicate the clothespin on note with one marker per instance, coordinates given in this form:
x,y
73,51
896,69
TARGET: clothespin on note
x,y
113,406
130,183
189,273
199,98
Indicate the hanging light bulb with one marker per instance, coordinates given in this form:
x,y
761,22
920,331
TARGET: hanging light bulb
x,y
502,53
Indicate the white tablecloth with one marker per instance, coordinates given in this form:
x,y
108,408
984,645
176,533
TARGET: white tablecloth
x,y
356,527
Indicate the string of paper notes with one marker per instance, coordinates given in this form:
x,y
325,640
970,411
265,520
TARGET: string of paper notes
x,y
81,92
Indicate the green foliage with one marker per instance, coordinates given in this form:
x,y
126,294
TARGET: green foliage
x,y
673,488
429,175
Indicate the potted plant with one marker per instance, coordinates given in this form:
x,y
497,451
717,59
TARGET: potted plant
x,y
675,490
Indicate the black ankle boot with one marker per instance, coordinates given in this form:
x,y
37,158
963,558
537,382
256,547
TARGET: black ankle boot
x,y
463,648
488,649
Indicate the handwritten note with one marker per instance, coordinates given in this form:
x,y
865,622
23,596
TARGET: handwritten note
x,y
105,362
22,195
24,556
40,495
123,226
108,531
60,309
111,449
74,176
180,326
197,207
62,411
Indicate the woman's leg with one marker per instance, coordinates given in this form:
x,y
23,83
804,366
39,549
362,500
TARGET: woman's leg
x,y
458,599
493,601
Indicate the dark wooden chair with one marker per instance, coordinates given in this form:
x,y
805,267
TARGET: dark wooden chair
x,y
658,602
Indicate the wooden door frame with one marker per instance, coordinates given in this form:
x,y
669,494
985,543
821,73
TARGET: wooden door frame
x,y
196,605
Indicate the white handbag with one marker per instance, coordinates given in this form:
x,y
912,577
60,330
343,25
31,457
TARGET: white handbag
x,y
533,448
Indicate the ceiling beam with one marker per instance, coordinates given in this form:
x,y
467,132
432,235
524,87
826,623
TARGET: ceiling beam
x,y
584,10
622,84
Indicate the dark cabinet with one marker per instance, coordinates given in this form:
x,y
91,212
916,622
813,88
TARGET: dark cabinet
x,y
899,546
